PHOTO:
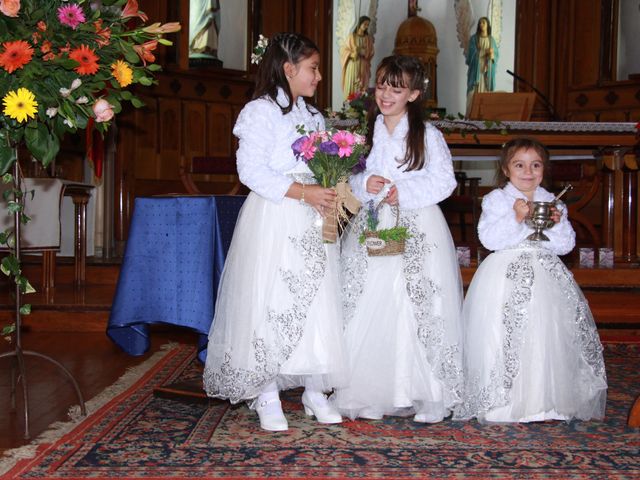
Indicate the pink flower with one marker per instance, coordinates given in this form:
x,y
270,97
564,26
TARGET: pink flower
x,y
305,147
345,141
103,110
10,7
71,15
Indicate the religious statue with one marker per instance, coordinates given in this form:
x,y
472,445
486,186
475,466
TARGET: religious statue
x,y
482,56
204,31
356,58
480,49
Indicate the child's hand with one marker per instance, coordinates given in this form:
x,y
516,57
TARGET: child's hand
x,y
320,198
522,209
392,196
556,214
375,183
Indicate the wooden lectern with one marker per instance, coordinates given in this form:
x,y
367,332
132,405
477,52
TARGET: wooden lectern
x,y
502,106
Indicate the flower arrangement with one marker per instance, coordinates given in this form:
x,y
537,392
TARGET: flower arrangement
x,y
332,155
66,65
259,49
354,111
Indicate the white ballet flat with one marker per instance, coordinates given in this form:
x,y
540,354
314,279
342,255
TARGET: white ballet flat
x,y
370,414
271,416
427,418
321,409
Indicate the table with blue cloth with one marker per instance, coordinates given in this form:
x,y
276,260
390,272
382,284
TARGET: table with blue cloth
x,y
171,268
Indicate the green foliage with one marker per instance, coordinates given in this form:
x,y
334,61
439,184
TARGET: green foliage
x,y
396,234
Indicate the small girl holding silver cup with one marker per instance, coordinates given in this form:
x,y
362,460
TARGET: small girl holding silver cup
x,y
531,348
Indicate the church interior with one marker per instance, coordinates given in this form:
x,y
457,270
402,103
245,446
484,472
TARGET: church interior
x,y
567,75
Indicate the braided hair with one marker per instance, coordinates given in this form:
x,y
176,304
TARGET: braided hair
x,y
282,48
403,71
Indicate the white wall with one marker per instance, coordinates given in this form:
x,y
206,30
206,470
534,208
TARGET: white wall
x,y
452,71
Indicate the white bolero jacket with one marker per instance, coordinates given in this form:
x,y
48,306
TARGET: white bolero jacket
x,y
498,228
416,188
264,156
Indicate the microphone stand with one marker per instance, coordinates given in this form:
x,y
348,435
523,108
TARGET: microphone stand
x,y
542,96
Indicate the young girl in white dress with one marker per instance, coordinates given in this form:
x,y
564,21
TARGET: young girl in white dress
x,y
532,350
403,312
278,323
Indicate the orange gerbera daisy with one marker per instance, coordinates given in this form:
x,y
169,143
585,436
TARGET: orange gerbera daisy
x,y
16,55
87,59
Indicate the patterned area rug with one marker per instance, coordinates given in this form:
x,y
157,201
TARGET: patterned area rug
x,y
139,435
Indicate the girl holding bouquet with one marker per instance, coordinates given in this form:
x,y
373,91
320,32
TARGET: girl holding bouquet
x,y
402,312
278,323
532,350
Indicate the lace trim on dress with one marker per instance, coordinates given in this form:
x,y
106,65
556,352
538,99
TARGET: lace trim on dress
x,y
585,335
354,270
479,400
423,292
238,384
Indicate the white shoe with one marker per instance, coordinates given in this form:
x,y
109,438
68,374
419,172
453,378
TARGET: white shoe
x,y
427,418
370,414
270,413
317,405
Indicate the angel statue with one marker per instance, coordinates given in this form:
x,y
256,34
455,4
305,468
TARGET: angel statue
x,y
480,49
356,46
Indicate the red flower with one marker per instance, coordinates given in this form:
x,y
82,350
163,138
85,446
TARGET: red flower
x,y
104,34
87,59
16,55
144,51
131,10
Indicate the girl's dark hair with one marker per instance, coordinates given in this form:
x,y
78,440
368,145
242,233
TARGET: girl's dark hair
x,y
361,20
402,71
509,150
488,26
282,48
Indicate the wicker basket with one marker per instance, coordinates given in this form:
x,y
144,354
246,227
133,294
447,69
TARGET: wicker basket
x,y
376,247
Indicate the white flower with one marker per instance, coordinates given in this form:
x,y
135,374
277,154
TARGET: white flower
x,y
76,84
82,100
51,112
68,123
65,92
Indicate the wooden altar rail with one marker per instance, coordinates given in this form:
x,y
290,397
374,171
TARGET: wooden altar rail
x,y
614,185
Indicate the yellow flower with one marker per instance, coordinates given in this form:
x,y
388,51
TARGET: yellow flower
x,y
122,72
20,105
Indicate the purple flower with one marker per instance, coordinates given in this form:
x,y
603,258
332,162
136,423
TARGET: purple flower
x,y
360,166
330,148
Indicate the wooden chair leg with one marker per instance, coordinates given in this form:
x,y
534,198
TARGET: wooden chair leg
x,y
634,415
48,269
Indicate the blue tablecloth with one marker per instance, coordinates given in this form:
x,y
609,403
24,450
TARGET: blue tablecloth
x,y
171,268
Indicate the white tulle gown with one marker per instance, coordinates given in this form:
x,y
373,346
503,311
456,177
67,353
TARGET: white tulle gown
x,y
403,312
278,316
532,350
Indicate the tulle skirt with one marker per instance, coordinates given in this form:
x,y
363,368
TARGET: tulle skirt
x,y
402,317
532,351
278,314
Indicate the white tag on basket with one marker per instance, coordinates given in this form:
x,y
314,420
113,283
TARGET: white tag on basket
x,y
375,243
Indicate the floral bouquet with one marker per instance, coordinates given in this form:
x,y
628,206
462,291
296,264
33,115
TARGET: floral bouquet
x,y
67,65
332,155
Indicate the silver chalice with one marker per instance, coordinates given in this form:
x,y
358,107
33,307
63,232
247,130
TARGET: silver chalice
x,y
540,216
540,219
